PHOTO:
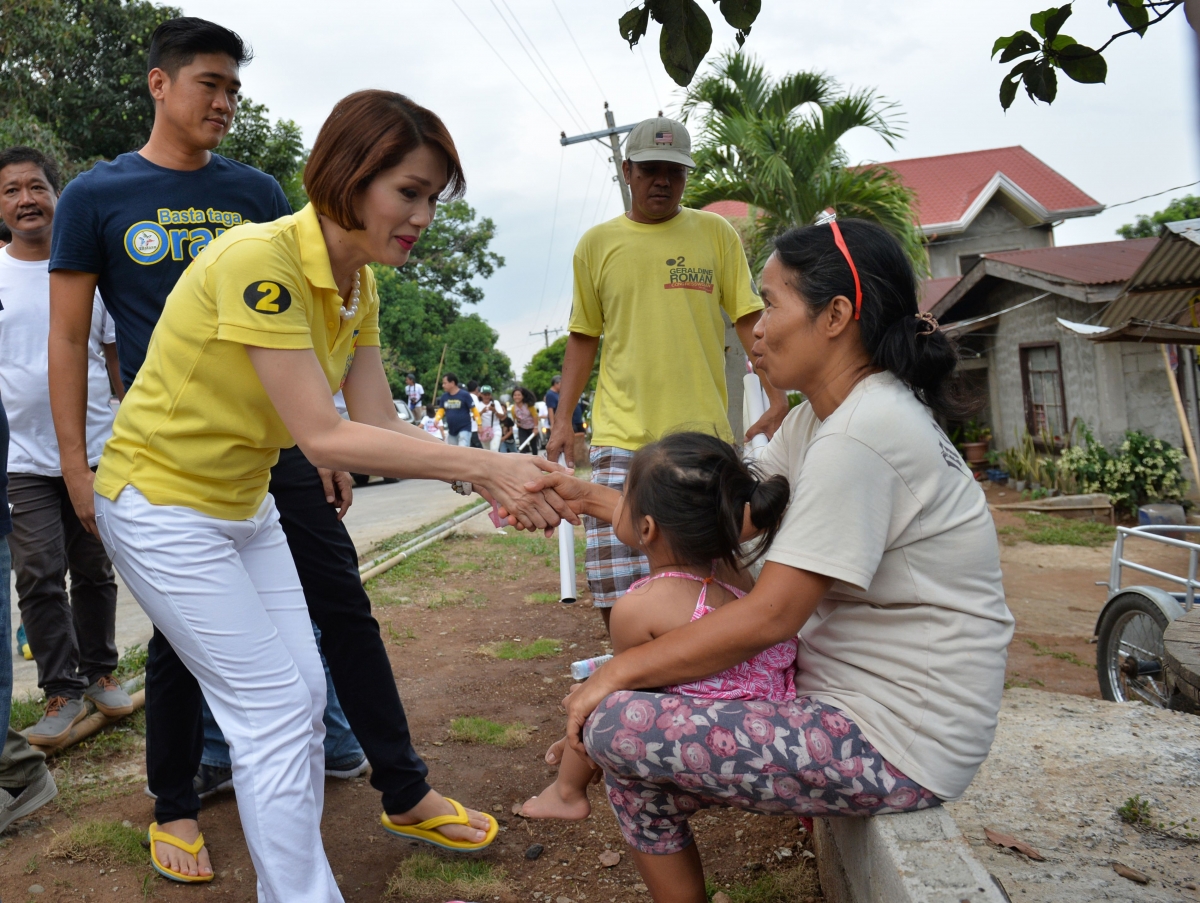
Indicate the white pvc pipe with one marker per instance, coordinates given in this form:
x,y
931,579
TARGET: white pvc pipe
x,y
566,556
756,406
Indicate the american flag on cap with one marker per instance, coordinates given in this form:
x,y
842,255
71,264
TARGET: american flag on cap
x,y
664,137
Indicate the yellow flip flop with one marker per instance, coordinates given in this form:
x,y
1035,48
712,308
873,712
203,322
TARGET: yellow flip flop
x,y
157,836
427,830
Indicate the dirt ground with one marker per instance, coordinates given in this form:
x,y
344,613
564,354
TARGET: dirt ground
x,y
435,614
439,614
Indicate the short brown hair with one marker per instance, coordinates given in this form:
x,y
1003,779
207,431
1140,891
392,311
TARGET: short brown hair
x,y
368,132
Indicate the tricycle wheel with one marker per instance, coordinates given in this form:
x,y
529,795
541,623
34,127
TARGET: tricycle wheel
x,y
360,479
1129,651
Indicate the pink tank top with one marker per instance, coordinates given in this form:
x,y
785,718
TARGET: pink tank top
x,y
769,675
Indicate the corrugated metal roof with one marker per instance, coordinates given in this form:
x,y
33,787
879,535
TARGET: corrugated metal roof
x,y
1164,286
932,290
1100,263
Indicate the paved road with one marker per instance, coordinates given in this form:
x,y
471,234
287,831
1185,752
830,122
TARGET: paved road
x,y
379,511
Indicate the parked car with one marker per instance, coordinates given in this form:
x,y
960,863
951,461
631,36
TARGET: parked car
x,y
361,479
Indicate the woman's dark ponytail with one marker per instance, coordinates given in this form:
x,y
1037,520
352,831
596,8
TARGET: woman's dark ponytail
x,y
696,487
897,336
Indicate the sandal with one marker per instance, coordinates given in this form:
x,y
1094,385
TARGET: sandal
x,y
193,848
427,830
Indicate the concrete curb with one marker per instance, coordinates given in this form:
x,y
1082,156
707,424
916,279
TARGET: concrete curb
x,y
917,857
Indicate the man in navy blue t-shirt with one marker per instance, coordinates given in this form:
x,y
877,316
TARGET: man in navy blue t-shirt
x,y
456,409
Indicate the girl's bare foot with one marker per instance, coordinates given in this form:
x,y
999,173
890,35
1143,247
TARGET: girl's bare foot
x,y
434,804
177,860
553,802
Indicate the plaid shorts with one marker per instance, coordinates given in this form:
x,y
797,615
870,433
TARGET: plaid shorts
x,y
612,567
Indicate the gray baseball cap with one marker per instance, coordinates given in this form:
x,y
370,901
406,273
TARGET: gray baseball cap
x,y
660,139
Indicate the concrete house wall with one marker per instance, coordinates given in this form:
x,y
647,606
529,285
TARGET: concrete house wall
x,y
1112,387
994,229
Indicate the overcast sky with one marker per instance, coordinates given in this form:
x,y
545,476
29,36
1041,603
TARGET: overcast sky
x,y
1135,136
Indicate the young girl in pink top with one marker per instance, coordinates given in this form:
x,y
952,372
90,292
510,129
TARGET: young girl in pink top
x,y
687,504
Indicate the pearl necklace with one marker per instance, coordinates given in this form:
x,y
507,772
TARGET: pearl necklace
x,y
348,312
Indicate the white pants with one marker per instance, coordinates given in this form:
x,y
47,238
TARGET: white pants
x,y
226,595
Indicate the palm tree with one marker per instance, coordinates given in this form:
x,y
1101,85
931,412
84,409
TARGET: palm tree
x,y
774,145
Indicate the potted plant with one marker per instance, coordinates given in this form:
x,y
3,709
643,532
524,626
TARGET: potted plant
x,y
975,439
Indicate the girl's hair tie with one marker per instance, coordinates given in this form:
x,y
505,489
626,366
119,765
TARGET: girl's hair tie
x,y
930,321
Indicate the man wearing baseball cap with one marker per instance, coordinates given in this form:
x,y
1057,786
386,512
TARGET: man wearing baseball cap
x,y
653,282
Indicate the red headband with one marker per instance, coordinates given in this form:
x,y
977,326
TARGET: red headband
x,y
841,243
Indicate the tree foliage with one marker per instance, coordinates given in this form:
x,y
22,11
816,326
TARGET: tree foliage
x,y
1045,50
543,366
278,150
686,37
1186,207
774,144
421,304
78,67
686,30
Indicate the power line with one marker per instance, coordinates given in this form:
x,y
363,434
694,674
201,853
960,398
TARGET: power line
x,y
1156,194
649,77
571,35
500,57
533,44
525,50
553,224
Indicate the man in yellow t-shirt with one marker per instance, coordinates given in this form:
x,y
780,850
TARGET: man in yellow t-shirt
x,y
653,282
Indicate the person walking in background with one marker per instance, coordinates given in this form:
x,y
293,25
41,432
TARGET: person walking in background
x,y
654,282
25,783
491,413
456,410
414,392
72,637
431,424
551,399
524,414
477,413
508,441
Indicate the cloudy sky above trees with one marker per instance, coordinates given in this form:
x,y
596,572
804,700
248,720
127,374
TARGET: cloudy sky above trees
x,y
1135,136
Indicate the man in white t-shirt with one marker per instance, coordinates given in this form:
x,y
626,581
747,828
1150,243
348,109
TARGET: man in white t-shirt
x,y
73,639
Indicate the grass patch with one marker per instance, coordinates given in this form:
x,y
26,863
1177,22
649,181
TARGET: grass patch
x,y
26,711
493,733
535,545
773,887
423,875
102,842
1071,657
1136,811
1028,684
508,651
132,663
452,598
1051,530
541,598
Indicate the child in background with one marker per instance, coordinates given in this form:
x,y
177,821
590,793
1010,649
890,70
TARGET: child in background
x,y
687,503
430,423
508,442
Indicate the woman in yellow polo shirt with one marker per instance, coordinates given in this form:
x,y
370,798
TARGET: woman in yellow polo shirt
x,y
259,333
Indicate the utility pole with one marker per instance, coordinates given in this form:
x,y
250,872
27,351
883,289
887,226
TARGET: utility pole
x,y
611,134
545,333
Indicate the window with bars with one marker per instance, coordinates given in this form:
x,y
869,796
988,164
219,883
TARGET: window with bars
x,y
1041,376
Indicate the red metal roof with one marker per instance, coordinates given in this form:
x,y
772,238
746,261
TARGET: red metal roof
x,y
1094,264
730,209
932,290
947,185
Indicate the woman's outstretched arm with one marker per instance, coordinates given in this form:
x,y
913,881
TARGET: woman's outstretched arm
x,y
299,391
775,610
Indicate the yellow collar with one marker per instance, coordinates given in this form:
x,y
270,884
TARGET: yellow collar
x,y
314,255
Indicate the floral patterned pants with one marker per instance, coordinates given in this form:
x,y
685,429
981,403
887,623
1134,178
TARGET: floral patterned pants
x,y
665,757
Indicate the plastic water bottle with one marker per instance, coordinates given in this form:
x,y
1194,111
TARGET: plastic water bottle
x,y
584,669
